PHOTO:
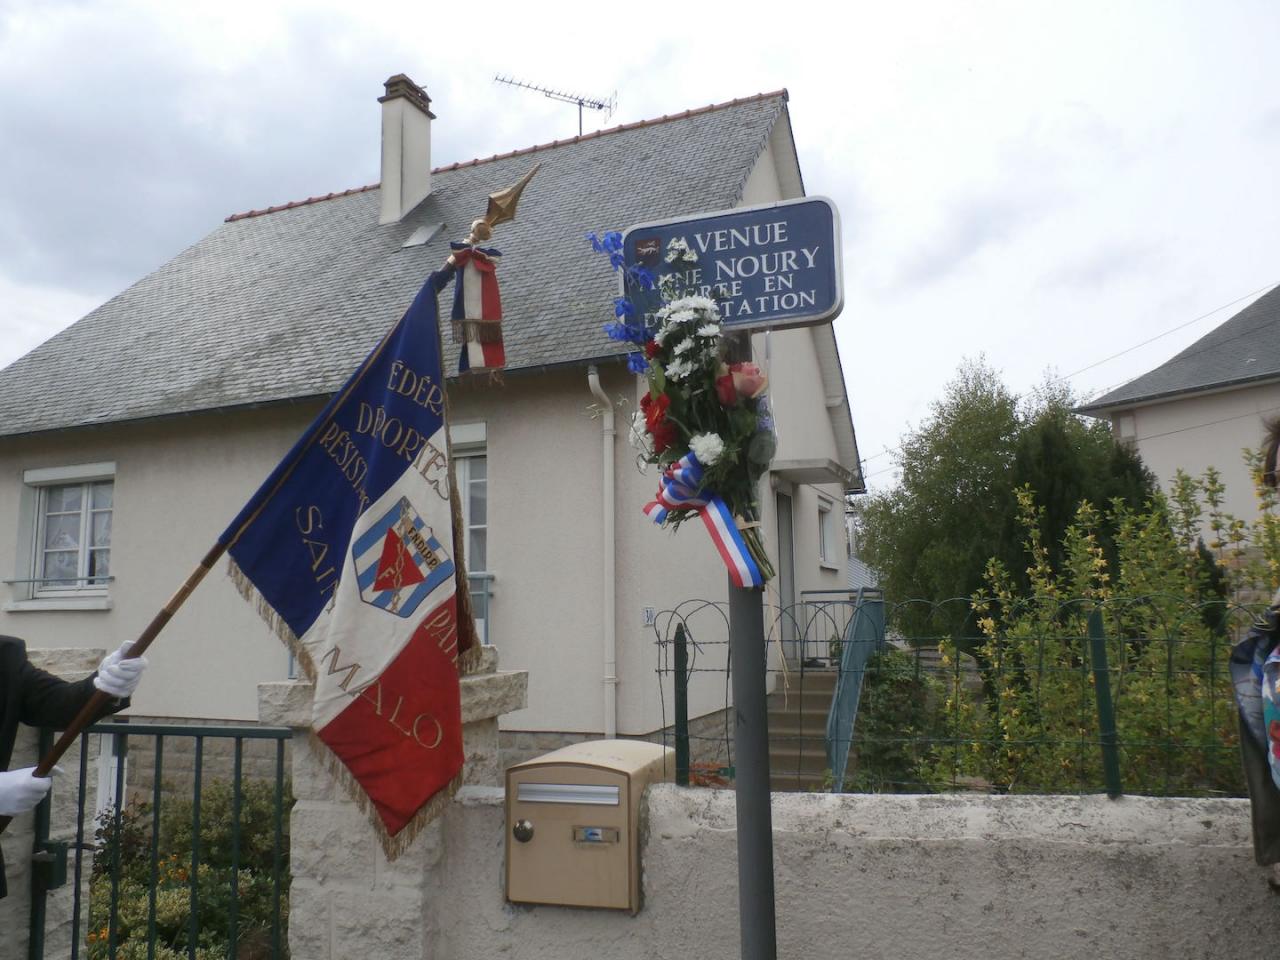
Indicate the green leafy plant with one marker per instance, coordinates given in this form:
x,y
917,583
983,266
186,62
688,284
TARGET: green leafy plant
x,y
1172,605
899,725
250,889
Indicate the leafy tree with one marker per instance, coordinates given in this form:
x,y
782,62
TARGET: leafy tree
x,y
931,536
956,505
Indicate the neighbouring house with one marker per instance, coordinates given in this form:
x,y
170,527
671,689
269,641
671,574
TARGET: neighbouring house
x,y
1205,406
130,439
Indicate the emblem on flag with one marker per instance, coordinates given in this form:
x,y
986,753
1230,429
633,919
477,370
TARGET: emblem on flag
x,y
399,561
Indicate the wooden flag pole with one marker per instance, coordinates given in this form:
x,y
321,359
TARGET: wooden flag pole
x,y
92,711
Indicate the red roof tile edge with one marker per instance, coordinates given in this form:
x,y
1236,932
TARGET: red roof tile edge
x,y
665,118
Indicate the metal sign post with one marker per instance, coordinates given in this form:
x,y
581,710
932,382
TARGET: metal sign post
x,y
756,920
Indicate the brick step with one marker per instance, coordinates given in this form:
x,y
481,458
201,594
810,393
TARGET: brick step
x,y
807,692
792,761
808,680
789,726
812,721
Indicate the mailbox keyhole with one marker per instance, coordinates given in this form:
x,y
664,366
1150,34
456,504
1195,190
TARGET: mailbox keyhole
x,y
522,831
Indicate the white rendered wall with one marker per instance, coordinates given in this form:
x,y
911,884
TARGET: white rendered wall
x,y
1204,431
178,484
889,876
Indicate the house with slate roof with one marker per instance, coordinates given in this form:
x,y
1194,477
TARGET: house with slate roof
x,y
1206,405
182,392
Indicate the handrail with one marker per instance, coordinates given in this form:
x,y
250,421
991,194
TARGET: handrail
x,y
863,636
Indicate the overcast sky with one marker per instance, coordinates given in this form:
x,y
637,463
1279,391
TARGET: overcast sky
x,y
1047,184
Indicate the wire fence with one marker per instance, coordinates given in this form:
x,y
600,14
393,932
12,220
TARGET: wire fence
x,y
1046,695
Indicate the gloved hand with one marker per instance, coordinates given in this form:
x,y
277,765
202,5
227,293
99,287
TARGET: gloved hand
x,y
20,791
117,676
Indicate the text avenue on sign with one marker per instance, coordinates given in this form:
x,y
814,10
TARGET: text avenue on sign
x,y
777,265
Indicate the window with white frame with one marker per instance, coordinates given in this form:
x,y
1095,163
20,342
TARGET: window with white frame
x,y
827,540
69,516
473,485
471,472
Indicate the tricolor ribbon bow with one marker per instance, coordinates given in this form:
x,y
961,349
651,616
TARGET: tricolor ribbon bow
x,y
680,488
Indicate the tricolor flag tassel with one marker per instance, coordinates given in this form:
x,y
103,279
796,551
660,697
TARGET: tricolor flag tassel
x,y
477,309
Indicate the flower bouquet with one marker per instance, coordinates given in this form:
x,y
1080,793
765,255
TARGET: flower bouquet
x,y
705,421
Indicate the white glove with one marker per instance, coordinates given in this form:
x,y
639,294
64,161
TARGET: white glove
x,y
21,790
117,676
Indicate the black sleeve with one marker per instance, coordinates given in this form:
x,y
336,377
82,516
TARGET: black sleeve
x,y
48,701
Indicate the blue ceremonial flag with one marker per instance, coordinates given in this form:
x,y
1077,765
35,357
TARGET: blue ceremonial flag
x,y
349,552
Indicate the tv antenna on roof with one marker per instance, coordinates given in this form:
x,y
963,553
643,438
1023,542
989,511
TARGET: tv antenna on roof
x,y
607,106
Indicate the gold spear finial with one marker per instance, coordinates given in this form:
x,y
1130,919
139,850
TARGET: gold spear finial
x,y
502,207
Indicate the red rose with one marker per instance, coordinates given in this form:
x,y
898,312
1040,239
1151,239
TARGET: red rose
x,y
726,391
664,435
651,349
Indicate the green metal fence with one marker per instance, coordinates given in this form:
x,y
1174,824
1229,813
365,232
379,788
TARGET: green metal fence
x,y
196,868
1042,695
1056,696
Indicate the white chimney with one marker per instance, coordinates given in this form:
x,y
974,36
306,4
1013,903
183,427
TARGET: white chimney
x,y
406,147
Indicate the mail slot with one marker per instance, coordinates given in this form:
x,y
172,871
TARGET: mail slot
x,y
572,823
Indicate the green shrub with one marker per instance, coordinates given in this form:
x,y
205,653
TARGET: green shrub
x,y
255,889
899,721
1172,607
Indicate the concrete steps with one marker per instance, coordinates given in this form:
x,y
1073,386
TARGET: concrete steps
x,y
798,729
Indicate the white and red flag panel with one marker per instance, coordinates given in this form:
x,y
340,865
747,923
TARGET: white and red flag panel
x,y
349,551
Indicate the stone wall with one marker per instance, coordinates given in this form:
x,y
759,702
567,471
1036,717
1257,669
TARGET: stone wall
x,y
889,876
15,909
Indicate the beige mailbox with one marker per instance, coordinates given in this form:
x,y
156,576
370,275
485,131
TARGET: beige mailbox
x,y
572,831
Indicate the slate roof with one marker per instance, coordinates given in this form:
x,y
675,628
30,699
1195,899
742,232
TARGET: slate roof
x,y
1243,350
283,304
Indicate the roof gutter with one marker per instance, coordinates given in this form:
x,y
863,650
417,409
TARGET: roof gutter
x,y
1105,409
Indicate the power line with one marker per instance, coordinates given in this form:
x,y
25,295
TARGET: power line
x,y
1211,423
1181,326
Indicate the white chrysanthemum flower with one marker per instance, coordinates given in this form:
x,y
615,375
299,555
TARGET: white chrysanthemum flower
x,y
696,303
664,331
678,369
709,330
684,346
707,447
683,316
639,434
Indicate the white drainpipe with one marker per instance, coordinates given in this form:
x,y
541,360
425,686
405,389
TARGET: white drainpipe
x,y
610,594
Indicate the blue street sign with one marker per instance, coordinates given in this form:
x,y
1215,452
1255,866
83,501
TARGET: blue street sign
x,y
775,265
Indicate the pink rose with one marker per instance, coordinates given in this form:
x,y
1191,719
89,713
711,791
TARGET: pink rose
x,y
748,380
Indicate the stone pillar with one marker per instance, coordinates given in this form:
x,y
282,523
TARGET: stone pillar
x,y
346,900
15,909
